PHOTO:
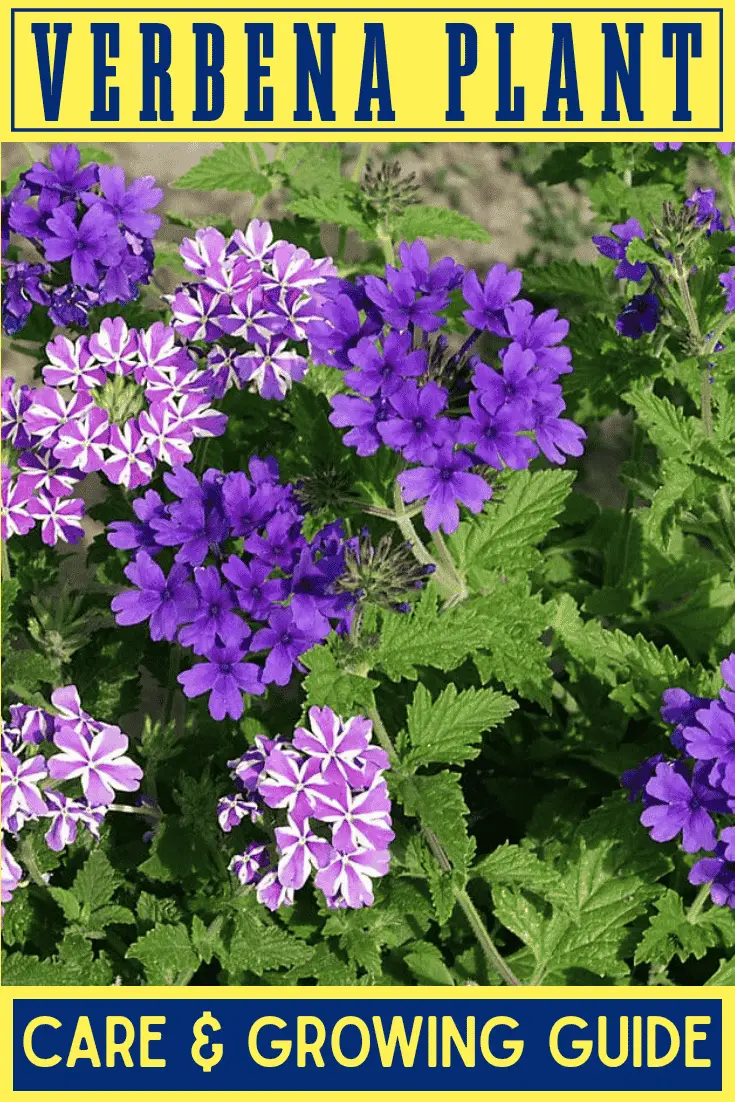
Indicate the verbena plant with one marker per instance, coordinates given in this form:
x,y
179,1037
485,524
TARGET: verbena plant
x,y
342,683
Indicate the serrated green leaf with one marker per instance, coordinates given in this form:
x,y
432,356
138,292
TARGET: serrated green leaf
x,y
259,946
167,955
517,867
439,805
506,535
230,169
671,932
73,966
421,221
95,883
447,730
342,208
724,976
427,965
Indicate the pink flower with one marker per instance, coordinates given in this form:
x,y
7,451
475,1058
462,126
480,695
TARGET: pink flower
x,y
20,791
100,762
115,346
15,516
349,876
301,850
361,820
49,411
130,463
272,893
72,364
83,443
290,783
61,518
167,436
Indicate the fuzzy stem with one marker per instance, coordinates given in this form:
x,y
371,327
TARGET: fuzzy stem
x,y
409,533
698,905
360,162
7,573
705,385
471,913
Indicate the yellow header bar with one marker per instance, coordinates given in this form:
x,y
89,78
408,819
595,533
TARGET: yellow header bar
x,y
432,74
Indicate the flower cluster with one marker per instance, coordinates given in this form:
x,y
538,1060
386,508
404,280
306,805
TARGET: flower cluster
x,y
682,796
446,414
88,751
643,313
118,402
244,579
92,233
251,289
328,784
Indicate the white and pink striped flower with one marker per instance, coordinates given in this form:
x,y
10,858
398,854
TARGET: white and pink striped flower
x,y
115,347
301,850
167,436
83,443
130,461
60,518
71,363
99,762
349,876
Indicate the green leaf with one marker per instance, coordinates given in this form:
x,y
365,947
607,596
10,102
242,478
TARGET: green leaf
x,y
230,169
724,976
569,279
426,637
207,940
668,427
9,592
448,730
505,536
342,208
89,154
328,683
427,965
420,221
95,883
672,933
518,867
258,945
437,802
73,966
167,955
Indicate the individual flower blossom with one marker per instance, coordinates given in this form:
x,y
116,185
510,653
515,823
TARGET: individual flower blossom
x,y
338,746
95,238
16,518
349,876
680,708
60,519
300,850
615,248
83,442
719,871
360,820
712,739
250,865
272,368
128,206
20,792
67,815
496,436
385,369
487,300
414,426
293,784
34,725
684,804
272,893
167,601
444,484
285,641
231,810
215,619
99,762
225,676
401,302
130,535
640,316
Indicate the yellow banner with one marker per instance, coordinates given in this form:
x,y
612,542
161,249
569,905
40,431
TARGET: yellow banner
x,y
438,74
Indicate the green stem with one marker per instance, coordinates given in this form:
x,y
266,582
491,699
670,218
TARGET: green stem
x,y
462,897
409,533
360,162
705,385
7,573
698,905
386,244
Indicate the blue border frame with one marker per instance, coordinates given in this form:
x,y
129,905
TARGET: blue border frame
x,y
368,129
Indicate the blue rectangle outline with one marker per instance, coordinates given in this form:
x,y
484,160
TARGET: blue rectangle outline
x,y
365,129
